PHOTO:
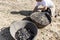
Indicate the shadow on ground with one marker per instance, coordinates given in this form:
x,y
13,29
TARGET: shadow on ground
x,y
23,12
5,34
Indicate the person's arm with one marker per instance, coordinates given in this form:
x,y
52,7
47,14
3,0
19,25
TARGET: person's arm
x,y
38,4
44,8
35,9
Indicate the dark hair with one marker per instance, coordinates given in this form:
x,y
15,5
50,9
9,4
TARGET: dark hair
x,y
38,0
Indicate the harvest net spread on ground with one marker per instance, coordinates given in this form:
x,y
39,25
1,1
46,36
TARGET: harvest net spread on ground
x,y
50,32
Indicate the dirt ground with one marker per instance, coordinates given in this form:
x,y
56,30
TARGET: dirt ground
x,y
15,10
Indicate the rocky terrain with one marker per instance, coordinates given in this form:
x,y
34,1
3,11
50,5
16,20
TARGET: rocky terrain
x,y
50,32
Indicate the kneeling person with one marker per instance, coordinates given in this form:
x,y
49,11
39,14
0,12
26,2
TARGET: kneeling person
x,y
48,6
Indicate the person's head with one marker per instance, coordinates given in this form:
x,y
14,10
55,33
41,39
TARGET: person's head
x,y
38,0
